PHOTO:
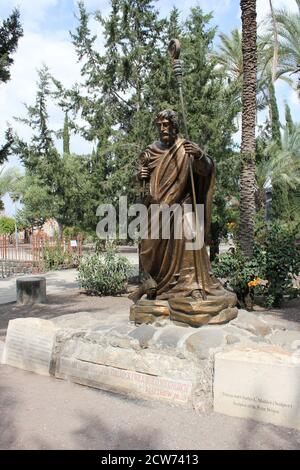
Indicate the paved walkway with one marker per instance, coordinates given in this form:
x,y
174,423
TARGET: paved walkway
x,y
43,413
57,281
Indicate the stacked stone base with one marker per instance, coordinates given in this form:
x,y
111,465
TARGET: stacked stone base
x,y
147,362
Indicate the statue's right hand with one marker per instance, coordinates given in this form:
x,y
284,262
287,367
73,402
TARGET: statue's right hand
x,y
144,173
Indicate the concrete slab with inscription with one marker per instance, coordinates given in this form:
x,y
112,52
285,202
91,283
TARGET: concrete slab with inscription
x,y
261,383
29,344
126,381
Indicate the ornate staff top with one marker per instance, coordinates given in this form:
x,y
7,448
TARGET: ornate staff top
x,y
174,51
174,48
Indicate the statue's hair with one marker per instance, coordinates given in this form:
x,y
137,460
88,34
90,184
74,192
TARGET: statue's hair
x,y
171,116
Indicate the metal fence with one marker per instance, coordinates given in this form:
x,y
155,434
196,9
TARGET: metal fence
x,y
19,257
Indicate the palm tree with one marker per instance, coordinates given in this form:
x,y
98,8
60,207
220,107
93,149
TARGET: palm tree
x,y
8,180
282,163
230,55
281,166
247,181
288,24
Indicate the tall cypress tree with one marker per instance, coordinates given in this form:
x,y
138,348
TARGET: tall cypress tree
x,y
66,136
288,119
275,123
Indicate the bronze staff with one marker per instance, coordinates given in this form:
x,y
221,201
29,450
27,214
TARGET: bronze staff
x,y
174,51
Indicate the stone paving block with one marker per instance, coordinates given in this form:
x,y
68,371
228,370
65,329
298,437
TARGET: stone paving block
x,y
170,337
204,340
251,322
143,334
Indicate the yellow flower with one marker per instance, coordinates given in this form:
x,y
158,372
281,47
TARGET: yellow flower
x,y
255,282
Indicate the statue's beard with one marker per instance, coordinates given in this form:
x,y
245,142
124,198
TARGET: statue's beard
x,y
168,139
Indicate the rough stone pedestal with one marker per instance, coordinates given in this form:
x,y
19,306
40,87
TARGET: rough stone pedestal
x,y
31,290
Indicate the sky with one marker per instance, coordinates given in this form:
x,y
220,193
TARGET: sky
x,y
46,40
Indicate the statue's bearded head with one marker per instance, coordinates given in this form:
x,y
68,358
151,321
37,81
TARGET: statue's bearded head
x,y
168,126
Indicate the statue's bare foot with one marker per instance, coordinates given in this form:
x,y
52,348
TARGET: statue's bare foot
x,y
151,293
149,287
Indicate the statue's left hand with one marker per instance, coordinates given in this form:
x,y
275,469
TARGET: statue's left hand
x,y
193,149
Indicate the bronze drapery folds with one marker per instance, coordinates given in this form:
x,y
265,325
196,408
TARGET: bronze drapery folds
x,y
178,282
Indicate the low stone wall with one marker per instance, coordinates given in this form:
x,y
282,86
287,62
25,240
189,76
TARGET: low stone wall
x,y
164,362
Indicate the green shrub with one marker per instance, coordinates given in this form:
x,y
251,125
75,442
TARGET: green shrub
x,y
282,261
71,233
57,257
7,225
275,263
241,273
104,273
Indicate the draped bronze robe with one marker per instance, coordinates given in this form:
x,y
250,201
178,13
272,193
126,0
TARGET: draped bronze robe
x,y
176,269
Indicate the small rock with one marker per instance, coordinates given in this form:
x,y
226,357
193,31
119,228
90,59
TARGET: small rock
x,y
122,329
234,330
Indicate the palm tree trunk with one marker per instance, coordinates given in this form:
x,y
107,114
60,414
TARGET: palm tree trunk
x,y
248,8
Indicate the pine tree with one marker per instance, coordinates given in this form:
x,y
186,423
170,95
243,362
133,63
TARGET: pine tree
x,y
10,33
66,194
39,157
116,107
5,150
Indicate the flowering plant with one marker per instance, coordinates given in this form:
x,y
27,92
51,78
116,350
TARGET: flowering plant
x,y
271,270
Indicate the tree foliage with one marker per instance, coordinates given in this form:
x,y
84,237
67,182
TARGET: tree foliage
x,y
123,88
10,33
124,85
